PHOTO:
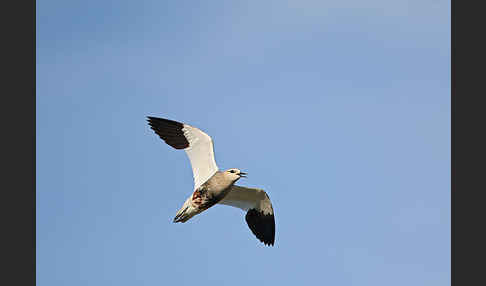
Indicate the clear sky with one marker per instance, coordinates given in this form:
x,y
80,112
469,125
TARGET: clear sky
x,y
339,109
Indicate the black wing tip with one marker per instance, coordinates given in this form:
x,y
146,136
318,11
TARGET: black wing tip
x,y
267,243
262,226
154,120
170,131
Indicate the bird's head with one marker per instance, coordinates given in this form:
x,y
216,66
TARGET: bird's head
x,y
234,174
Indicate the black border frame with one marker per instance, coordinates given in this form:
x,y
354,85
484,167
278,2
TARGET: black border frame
x,y
18,143
467,144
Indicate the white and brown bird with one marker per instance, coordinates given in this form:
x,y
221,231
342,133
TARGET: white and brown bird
x,y
212,186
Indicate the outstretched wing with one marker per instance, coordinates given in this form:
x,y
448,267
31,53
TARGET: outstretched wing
x,y
197,144
258,206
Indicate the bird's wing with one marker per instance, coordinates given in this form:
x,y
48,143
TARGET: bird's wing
x,y
259,211
197,144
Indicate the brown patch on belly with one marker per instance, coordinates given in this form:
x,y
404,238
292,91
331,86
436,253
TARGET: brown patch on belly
x,y
209,201
202,199
197,198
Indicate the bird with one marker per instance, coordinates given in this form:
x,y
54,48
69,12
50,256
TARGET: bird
x,y
212,186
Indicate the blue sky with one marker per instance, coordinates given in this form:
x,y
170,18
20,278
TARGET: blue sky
x,y
340,110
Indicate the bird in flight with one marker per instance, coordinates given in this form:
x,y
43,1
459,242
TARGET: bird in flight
x,y
212,186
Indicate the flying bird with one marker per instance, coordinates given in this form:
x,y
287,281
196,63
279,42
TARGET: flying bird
x,y
212,186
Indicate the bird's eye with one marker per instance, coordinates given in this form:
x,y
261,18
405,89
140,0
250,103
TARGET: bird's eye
x,y
232,171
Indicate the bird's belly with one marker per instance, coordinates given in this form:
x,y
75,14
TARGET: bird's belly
x,y
204,199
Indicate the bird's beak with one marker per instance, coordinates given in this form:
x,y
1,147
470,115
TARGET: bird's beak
x,y
243,174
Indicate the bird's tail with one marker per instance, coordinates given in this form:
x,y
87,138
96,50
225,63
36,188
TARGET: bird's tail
x,y
186,212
